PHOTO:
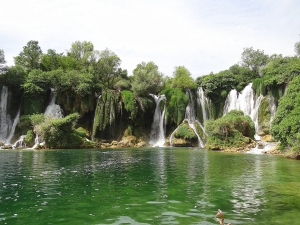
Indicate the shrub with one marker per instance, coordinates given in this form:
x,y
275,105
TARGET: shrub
x,y
185,132
232,130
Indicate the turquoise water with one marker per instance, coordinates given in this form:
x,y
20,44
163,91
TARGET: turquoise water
x,y
146,186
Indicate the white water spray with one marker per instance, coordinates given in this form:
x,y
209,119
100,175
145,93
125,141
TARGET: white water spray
x,y
204,103
245,101
53,109
190,115
157,137
5,120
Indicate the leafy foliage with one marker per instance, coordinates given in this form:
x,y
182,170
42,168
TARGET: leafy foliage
x,y
297,48
254,59
232,130
2,62
185,132
61,133
29,139
15,76
182,79
30,57
176,104
107,107
285,126
130,103
146,79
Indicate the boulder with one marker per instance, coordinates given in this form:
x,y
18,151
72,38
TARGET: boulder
x,y
7,147
127,142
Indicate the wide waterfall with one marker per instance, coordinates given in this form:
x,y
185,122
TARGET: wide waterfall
x,y
157,137
245,101
53,110
190,115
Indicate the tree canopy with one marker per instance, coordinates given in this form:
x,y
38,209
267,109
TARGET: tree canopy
x,y
30,57
182,78
254,59
146,79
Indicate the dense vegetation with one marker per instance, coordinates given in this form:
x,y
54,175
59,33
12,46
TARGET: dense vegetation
x,y
286,126
232,130
101,98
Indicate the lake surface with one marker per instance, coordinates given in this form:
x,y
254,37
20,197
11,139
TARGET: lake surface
x,y
146,186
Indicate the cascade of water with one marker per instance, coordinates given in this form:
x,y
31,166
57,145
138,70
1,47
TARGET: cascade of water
x,y
157,137
190,115
12,130
245,101
204,104
36,141
20,143
273,107
5,120
94,122
53,109
172,137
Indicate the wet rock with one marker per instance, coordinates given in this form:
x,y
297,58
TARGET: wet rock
x,y
127,142
260,145
7,147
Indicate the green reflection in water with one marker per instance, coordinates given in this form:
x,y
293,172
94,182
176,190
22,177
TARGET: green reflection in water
x,y
146,186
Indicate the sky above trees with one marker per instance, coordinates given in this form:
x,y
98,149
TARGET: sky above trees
x,y
203,36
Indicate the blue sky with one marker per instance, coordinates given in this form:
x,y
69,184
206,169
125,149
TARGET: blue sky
x,y
202,35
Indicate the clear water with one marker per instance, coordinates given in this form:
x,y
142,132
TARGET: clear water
x,y
147,186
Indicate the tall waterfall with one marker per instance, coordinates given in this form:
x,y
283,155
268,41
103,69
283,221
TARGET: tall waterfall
x,y
157,137
7,125
204,103
14,124
190,115
5,120
245,101
53,109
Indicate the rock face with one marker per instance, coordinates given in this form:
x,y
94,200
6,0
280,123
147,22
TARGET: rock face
x,y
129,141
6,147
180,142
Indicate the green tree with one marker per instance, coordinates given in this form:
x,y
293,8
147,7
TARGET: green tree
x,y
182,78
15,76
51,60
30,57
107,68
146,79
297,48
254,59
83,53
2,62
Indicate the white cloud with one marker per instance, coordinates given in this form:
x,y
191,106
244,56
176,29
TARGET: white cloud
x,y
204,36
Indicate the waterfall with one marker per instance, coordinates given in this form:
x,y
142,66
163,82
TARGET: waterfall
x,y
20,143
12,130
245,101
157,137
53,110
190,115
204,103
273,107
5,121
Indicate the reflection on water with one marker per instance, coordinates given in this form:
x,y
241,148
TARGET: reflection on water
x,y
146,186
248,192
